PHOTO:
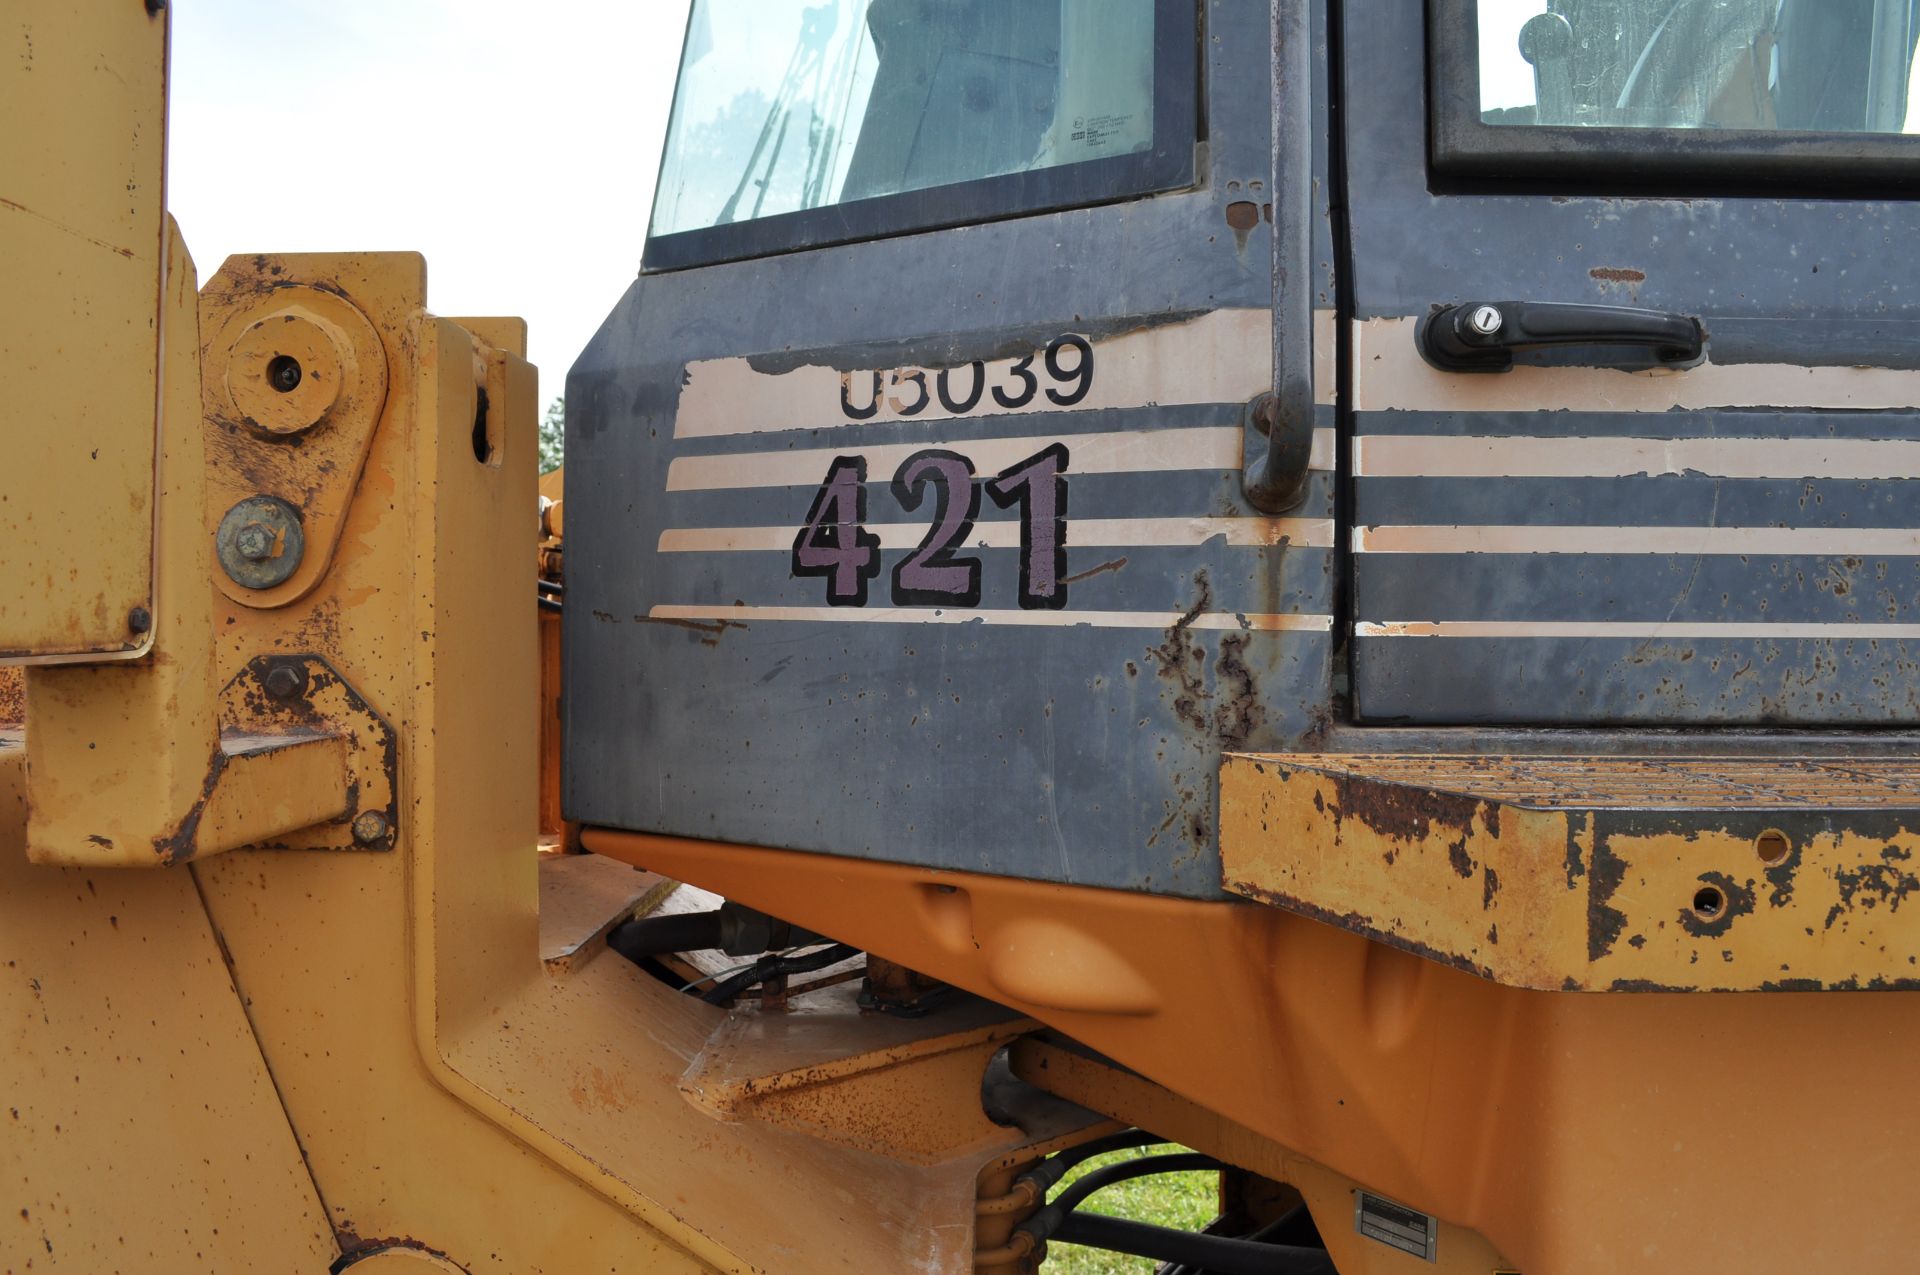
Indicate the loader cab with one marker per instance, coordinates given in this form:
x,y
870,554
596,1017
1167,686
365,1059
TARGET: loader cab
x,y
911,478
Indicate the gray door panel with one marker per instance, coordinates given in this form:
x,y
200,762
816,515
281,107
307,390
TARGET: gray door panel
x,y
1732,544
731,700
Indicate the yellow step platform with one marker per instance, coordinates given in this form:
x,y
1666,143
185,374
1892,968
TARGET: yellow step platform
x,y
1595,873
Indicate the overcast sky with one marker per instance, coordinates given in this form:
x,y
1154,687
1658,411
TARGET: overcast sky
x,y
514,144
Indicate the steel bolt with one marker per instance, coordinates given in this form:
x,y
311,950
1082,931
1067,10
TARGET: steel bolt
x,y
1486,320
260,543
254,542
139,620
369,826
287,681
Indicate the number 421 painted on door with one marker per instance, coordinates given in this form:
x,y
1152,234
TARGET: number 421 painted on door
x,y
835,545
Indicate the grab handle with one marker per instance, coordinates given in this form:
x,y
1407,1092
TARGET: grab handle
x,y
1274,476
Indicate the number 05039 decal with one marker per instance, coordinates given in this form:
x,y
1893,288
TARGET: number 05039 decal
x,y
835,545
960,390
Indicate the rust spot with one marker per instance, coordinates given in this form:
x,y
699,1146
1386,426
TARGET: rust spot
x,y
1243,214
1780,876
1872,884
1320,727
1793,985
354,1249
13,697
1604,921
179,844
1489,886
1181,662
1404,813
1576,867
1238,712
1617,274
1458,858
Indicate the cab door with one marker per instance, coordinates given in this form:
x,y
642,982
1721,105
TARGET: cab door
x,y
1633,353
906,483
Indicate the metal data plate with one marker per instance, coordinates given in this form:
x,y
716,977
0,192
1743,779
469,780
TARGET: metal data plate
x,y
1396,1225
81,159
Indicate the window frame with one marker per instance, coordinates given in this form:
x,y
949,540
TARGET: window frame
x,y
1463,148
1169,164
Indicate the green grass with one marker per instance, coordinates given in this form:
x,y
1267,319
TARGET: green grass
x,y
1187,1201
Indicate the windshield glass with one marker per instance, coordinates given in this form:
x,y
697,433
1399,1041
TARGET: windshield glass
x,y
1777,65
784,105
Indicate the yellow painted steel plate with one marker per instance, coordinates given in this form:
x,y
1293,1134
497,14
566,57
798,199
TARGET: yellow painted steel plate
x,y
81,217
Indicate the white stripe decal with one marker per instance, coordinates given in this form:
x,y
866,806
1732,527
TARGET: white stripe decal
x,y
1390,375
1430,456
1123,452
1216,620
1118,533
1632,629
1222,357
1674,541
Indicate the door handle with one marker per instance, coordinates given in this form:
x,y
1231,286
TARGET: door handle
x,y
1483,335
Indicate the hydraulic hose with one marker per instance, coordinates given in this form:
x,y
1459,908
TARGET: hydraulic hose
x,y
1047,1174
1046,1223
1126,1170
774,967
1265,1235
658,935
1213,1253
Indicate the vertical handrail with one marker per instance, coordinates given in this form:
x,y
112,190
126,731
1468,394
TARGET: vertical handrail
x,y
1276,479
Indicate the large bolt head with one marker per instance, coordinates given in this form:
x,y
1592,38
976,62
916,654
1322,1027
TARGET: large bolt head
x,y
260,542
286,681
369,827
254,542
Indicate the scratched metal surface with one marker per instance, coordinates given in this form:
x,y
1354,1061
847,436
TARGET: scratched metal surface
x,y
1781,281
1079,754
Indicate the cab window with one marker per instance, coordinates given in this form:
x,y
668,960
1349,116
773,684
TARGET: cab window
x,y
1819,93
799,123
1795,65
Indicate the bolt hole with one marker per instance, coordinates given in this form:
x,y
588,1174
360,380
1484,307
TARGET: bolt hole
x,y
1708,903
1773,847
283,373
482,445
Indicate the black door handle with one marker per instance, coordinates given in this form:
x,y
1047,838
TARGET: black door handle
x,y
1483,335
